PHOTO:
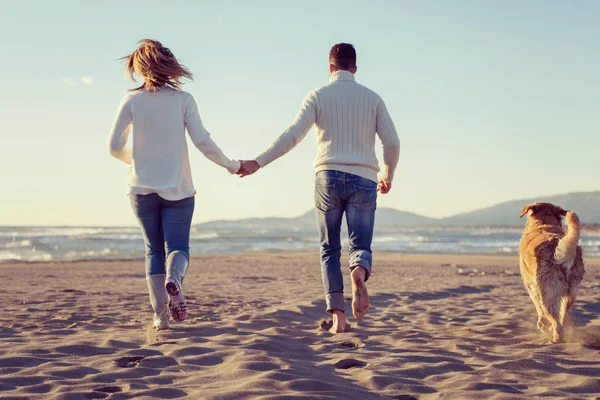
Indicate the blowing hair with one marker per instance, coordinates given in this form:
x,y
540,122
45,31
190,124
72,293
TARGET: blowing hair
x,y
157,65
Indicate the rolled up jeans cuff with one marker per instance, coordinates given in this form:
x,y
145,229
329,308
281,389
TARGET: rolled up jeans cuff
x,y
334,301
364,264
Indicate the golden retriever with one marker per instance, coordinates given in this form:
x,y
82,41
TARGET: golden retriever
x,y
551,264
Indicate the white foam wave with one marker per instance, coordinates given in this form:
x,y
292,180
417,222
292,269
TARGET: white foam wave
x,y
488,244
9,256
112,237
74,255
17,244
398,238
41,257
590,243
204,236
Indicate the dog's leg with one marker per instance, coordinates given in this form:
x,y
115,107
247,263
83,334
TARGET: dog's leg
x,y
576,275
551,302
535,298
565,305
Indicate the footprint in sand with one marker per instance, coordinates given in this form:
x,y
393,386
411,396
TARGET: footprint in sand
x,y
349,363
326,324
352,344
96,395
129,362
74,291
108,389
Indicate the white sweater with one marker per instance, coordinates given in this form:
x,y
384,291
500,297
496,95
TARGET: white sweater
x,y
159,158
347,116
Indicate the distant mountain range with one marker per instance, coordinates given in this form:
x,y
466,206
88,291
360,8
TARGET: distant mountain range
x,y
586,204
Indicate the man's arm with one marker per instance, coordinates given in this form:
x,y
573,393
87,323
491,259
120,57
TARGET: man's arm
x,y
391,146
119,133
293,134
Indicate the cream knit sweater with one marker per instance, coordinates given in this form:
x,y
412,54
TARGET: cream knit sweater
x,y
159,158
347,116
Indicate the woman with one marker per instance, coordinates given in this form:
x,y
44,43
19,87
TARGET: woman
x,y
160,183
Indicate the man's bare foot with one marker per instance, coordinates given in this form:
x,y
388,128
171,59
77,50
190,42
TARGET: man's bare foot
x,y
360,296
339,322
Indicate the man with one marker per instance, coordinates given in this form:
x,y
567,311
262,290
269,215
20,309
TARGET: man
x,y
347,116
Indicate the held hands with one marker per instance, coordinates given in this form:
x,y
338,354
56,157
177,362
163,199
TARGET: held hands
x,y
248,168
384,187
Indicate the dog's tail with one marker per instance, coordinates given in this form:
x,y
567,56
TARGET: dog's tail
x,y
566,250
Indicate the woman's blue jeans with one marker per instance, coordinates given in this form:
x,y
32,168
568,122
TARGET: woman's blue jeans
x,y
165,227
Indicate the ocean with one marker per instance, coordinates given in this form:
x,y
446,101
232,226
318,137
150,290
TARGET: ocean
x,y
31,244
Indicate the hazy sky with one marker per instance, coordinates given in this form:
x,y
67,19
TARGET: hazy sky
x,y
493,100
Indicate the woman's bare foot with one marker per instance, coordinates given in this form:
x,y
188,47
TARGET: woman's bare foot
x,y
339,322
360,295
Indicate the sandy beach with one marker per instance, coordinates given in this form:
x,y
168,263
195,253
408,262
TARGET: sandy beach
x,y
440,326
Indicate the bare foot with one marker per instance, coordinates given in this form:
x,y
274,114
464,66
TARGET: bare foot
x,y
360,296
339,322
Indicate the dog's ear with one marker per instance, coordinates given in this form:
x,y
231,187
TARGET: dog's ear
x,y
526,209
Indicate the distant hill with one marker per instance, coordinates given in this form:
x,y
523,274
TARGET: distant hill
x,y
384,217
390,217
271,223
586,204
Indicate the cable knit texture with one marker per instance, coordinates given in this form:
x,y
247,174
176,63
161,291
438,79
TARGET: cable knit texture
x,y
159,156
347,116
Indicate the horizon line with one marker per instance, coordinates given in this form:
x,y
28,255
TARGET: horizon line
x,y
312,209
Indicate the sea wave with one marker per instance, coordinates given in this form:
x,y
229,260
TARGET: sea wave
x,y
491,244
90,243
204,235
9,256
15,244
6,256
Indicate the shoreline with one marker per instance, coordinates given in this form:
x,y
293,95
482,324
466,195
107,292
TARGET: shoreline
x,y
250,253
58,245
593,228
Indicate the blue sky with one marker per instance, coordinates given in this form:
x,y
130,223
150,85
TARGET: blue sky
x,y
492,100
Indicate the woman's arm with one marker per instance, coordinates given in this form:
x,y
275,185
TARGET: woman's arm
x,y
202,140
119,133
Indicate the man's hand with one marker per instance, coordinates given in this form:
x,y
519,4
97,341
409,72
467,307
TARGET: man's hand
x,y
248,168
384,187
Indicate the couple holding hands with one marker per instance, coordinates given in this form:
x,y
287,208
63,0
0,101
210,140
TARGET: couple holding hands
x,y
347,116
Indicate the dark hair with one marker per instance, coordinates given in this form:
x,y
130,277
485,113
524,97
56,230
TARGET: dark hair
x,y
343,56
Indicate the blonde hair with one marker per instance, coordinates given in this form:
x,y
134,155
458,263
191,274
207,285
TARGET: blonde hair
x,y
157,65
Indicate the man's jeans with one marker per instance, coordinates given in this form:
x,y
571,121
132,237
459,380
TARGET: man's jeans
x,y
165,227
337,192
